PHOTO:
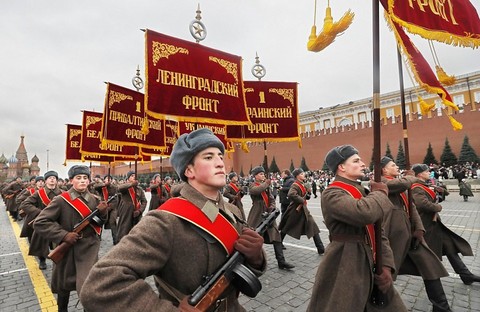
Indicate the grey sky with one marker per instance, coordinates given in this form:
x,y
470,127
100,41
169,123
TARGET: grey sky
x,y
55,56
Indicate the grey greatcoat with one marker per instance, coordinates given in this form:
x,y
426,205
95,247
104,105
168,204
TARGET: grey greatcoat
x,y
344,278
297,220
171,249
259,207
33,205
125,209
159,195
399,226
53,223
234,197
12,190
27,230
438,237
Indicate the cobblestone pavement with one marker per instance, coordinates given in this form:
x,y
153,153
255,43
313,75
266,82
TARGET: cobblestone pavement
x,y
24,288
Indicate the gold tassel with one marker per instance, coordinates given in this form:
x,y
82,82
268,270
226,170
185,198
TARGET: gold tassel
x,y
424,106
455,124
104,144
245,147
329,32
445,79
145,129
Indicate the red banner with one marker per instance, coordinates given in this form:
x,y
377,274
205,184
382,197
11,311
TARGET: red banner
x,y
72,152
219,130
192,82
273,109
92,144
454,21
126,122
171,135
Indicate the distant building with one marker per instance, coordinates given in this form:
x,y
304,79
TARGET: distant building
x,y
18,165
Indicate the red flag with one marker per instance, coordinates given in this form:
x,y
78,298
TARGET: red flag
x,y
171,135
273,109
454,22
125,121
192,82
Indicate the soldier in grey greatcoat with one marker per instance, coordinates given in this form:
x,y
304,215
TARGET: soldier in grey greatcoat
x,y
233,191
131,205
56,223
405,231
263,203
173,249
297,220
345,277
442,240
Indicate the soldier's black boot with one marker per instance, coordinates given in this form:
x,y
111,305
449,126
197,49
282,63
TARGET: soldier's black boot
x,y
282,264
282,235
42,265
318,243
436,295
62,301
461,269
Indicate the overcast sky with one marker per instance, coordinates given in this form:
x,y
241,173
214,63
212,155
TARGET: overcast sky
x,y
55,56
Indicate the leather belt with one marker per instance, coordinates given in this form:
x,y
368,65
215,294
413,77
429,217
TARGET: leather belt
x,y
348,238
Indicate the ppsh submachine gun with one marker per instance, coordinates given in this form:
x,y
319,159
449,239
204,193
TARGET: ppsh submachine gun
x,y
61,250
231,272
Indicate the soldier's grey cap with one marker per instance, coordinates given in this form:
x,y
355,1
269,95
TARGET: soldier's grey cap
x,y
190,144
338,155
155,176
129,174
419,168
384,161
231,175
39,178
76,170
257,170
49,174
297,171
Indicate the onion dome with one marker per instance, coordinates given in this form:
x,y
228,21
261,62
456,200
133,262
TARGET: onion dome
x,y
3,159
35,159
13,160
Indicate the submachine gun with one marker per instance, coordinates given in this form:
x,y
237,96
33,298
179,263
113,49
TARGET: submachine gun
x,y
61,250
231,272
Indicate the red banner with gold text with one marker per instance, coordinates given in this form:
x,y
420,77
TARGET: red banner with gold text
x,y
454,21
125,121
72,151
193,82
171,135
273,110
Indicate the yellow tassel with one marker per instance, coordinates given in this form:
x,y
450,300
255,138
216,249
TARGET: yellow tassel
x,y
424,106
329,32
104,144
65,163
445,79
145,129
245,147
455,124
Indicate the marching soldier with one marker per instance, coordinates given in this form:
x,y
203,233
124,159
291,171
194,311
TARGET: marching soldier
x,y
107,189
158,191
38,183
234,193
10,192
56,223
439,238
263,202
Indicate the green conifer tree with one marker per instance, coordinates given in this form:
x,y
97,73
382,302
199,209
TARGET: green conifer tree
x,y
467,153
303,165
429,157
273,166
292,167
448,158
388,152
401,160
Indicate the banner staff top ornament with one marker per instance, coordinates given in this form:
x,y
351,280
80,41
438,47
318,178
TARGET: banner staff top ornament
x,y
137,81
258,70
197,28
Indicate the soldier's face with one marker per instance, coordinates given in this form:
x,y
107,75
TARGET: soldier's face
x,y
80,182
51,182
353,168
391,170
207,169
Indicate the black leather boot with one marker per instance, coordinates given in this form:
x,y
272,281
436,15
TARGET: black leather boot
x,y
282,235
436,295
461,269
42,264
62,301
318,243
282,264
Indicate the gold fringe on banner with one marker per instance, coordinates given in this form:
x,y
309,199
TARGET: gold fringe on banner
x,y
424,106
245,147
455,124
145,126
329,31
444,79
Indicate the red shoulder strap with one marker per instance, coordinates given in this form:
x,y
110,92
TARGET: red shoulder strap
x,y
234,187
221,229
426,189
43,196
264,196
355,193
81,208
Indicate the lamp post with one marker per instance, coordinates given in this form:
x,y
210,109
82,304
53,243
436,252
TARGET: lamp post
x,y
47,159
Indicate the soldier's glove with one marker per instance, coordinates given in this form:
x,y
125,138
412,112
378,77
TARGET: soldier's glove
x,y
102,208
379,186
384,281
417,238
71,238
136,213
250,243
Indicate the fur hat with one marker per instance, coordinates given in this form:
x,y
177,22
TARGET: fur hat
x,y
257,170
155,176
338,155
32,178
231,175
297,171
419,168
129,174
39,178
190,144
384,161
76,170
49,174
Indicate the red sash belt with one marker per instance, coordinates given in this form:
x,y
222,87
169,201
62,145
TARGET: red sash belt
x,y
221,229
81,208
105,193
264,196
43,196
167,187
31,190
234,187
426,189
370,228
404,197
133,195
303,189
